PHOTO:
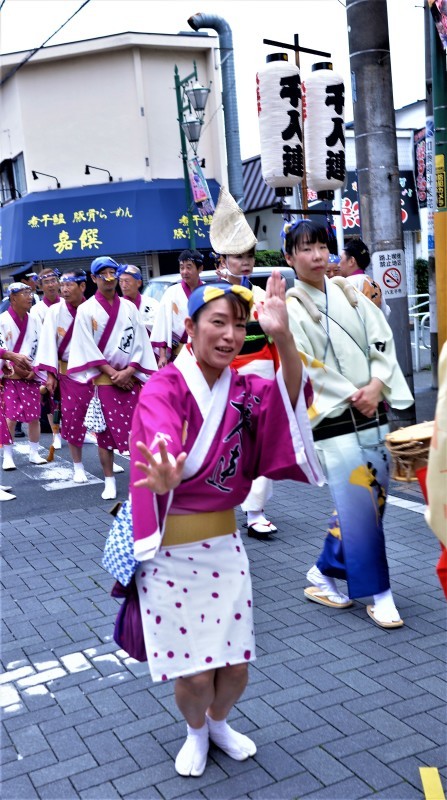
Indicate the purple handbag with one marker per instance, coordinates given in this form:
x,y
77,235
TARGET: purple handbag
x,y
128,633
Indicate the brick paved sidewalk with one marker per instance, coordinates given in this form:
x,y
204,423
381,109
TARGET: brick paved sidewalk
x,y
339,708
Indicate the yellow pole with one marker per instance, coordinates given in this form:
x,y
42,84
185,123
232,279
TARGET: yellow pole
x,y
440,220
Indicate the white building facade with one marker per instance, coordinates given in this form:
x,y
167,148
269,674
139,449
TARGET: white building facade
x,y
109,103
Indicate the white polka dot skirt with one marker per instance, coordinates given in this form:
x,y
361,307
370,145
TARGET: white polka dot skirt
x,y
196,607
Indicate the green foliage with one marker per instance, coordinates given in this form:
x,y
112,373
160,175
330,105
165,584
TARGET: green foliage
x,y
421,272
269,258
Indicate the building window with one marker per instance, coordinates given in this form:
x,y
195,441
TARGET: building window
x,y
12,178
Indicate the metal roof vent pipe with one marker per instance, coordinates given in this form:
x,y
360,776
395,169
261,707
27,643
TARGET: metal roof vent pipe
x,y
200,20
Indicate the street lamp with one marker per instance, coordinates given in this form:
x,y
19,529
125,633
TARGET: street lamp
x,y
191,101
88,167
36,174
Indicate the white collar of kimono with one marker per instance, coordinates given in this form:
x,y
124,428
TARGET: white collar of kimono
x,y
212,404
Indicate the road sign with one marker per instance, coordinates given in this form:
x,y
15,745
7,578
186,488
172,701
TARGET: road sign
x,y
389,271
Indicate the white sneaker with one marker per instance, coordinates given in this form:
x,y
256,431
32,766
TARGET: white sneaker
x,y
90,438
6,496
79,476
117,468
57,441
35,458
8,462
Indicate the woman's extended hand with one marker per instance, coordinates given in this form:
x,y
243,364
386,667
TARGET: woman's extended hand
x,y
272,312
161,474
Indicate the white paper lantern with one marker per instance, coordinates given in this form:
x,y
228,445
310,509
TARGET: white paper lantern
x,y
280,122
324,129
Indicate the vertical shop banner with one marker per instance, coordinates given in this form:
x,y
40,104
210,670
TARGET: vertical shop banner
x,y
431,180
419,140
199,187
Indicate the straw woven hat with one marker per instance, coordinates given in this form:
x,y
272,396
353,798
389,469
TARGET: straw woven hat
x,y
230,233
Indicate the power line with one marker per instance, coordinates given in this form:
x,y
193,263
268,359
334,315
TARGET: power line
x,y
36,49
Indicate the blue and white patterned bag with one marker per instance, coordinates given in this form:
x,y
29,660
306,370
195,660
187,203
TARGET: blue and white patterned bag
x,y
118,558
94,417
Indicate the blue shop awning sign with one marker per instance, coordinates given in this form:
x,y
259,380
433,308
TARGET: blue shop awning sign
x,y
125,217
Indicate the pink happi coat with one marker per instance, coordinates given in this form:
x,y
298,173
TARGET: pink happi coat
x,y
21,398
54,346
196,598
111,334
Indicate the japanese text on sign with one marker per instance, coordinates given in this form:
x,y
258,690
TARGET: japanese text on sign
x,y
293,161
390,273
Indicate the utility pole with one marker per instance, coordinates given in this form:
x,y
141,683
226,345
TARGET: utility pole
x,y
378,170
439,78
431,196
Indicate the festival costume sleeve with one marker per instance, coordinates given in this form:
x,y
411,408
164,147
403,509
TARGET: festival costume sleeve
x,y
382,356
331,390
436,514
84,353
284,445
154,419
161,335
148,310
47,359
142,358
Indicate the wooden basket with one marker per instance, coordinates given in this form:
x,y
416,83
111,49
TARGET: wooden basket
x,y
409,448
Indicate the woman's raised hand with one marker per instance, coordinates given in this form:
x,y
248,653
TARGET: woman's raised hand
x,y
162,475
272,312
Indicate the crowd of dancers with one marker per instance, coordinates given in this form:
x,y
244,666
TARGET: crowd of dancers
x,y
225,388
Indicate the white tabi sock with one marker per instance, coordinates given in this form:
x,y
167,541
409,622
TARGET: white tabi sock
x,y
256,518
384,607
234,744
109,492
326,584
79,475
34,447
8,461
191,758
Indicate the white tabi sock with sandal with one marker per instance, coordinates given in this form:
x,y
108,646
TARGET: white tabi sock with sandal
x,y
324,590
191,758
233,743
384,612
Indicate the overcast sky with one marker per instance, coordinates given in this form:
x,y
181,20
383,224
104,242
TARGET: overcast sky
x,y
321,25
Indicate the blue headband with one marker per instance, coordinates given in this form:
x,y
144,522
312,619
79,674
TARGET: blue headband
x,y
103,262
53,274
212,291
129,269
18,286
74,278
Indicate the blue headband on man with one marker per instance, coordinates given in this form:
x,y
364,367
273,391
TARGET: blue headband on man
x,y
129,269
18,286
212,291
74,278
103,262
